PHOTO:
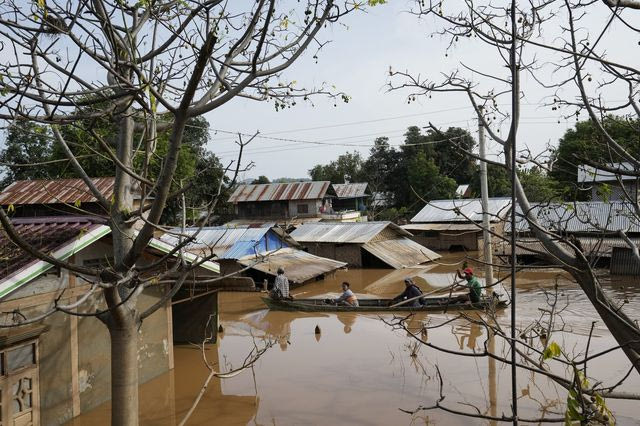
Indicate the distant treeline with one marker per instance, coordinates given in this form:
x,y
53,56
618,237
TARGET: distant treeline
x,y
430,165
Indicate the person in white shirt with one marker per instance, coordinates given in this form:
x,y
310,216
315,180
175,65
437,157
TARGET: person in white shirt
x,y
347,298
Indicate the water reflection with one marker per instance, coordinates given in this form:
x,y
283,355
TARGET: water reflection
x,y
348,319
358,371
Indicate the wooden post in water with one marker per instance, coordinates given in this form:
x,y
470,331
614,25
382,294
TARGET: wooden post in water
x,y
486,222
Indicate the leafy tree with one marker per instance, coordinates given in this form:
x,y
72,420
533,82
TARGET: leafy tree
x,y
498,181
348,167
261,179
586,142
425,179
538,186
26,143
448,156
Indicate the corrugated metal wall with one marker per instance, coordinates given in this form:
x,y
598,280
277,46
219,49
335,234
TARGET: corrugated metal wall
x,y
623,262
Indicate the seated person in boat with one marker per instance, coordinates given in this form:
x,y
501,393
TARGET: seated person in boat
x,y
475,288
411,290
347,298
280,286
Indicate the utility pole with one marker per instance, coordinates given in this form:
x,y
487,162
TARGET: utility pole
x,y
486,223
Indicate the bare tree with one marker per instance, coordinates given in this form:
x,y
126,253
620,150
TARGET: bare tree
x,y
520,34
146,67
515,38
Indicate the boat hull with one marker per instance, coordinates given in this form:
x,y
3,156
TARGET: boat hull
x,y
379,305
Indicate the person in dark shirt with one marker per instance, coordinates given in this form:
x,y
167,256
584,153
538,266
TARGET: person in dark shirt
x,y
411,290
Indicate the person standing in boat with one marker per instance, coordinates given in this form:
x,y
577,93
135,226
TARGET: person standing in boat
x,y
347,298
280,286
411,290
475,288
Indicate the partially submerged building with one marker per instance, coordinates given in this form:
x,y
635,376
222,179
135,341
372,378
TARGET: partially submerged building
x,y
256,252
59,366
53,197
593,226
364,244
282,201
350,198
606,185
456,224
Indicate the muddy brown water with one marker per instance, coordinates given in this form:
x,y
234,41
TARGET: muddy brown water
x,y
359,371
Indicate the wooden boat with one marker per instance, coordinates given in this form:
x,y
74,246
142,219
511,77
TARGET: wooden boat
x,y
380,305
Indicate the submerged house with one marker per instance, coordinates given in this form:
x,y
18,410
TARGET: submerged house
x,y
591,225
456,224
282,201
59,367
608,186
363,244
350,202
33,198
256,253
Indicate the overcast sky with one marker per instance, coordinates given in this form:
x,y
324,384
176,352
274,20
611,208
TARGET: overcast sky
x,y
357,62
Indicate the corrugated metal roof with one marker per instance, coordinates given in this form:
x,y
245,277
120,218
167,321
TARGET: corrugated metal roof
x,y
588,174
45,234
54,191
343,232
217,239
280,191
350,190
593,246
400,252
299,266
443,227
462,210
586,216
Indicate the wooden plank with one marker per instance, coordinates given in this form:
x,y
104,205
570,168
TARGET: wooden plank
x,y
73,342
169,309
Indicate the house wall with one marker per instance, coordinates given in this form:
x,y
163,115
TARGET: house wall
x,y
349,253
348,204
312,210
263,209
436,240
74,353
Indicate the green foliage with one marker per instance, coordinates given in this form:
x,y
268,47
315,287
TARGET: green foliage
x,y
552,351
261,179
26,143
498,181
586,141
538,185
348,167
430,163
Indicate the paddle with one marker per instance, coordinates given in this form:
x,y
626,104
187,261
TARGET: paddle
x,y
424,295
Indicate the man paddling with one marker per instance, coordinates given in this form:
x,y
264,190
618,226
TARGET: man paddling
x,y
411,290
475,288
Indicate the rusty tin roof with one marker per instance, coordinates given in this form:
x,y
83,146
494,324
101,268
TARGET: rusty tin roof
x,y
280,191
350,190
54,191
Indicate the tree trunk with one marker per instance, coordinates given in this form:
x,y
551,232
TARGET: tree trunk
x,y
124,373
622,328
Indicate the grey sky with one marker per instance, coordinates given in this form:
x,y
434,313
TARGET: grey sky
x,y
357,62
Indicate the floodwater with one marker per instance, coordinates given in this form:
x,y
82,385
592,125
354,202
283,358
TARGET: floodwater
x,y
359,371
